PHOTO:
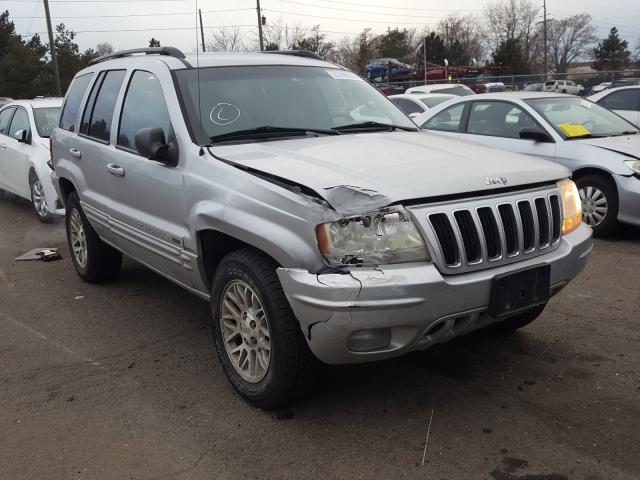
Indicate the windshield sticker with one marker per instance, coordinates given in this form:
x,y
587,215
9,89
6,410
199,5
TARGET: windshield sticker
x,y
343,74
573,129
224,114
585,103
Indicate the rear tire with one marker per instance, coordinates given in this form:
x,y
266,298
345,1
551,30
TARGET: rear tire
x,y
516,322
253,324
94,260
38,199
599,199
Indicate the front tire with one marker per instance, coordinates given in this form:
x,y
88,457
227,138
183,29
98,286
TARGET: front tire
x,y
94,260
38,199
258,338
599,203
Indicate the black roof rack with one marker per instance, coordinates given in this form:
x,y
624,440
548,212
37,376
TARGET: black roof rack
x,y
296,53
169,51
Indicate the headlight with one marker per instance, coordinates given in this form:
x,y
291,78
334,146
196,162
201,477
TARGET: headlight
x,y
571,205
634,165
380,237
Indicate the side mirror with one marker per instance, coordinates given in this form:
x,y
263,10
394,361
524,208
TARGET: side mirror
x,y
535,134
151,143
22,136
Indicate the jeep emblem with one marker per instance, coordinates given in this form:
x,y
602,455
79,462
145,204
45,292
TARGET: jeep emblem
x,y
495,180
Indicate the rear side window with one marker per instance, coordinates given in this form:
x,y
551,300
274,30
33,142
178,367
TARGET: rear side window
x,y
5,118
622,100
73,100
447,120
143,107
98,114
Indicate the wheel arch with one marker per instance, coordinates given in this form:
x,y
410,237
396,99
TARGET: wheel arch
x,y
66,187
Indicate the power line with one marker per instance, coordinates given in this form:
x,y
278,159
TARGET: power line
x,y
139,14
384,6
348,19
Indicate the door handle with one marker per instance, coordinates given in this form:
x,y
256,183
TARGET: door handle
x,y
75,152
115,169
3,146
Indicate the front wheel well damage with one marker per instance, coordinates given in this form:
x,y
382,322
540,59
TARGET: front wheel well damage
x,y
214,246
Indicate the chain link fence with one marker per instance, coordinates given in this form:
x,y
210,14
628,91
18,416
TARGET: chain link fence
x,y
519,82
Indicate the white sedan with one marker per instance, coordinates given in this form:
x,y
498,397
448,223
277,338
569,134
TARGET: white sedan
x,y
413,104
601,148
25,126
625,101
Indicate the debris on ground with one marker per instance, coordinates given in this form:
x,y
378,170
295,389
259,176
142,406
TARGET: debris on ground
x,y
44,254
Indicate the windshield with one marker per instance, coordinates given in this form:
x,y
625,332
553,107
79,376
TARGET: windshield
x,y
234,99
575,118
46,120
433,101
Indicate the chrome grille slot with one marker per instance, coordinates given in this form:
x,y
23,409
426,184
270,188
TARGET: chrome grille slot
x,y
446,238
470,236
510,226
543,222
556,218
478,233
491,233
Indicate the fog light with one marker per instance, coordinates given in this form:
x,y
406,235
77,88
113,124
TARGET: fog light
x,y
370,339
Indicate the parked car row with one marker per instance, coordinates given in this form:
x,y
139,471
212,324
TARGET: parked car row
x,y
25,127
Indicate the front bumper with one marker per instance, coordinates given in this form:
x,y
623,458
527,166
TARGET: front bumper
x,y
410,299
629,199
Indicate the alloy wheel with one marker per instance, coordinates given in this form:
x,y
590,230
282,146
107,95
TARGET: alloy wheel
x,y
39,201
78,238
594,205
245,331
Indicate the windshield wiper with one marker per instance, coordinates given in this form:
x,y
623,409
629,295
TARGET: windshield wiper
x,y
268,131
374,126
626,132
585,135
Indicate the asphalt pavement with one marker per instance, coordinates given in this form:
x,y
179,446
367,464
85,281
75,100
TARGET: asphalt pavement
x,y
121,381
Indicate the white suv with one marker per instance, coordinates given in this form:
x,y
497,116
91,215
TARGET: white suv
x,y
563,86
25,126
307,209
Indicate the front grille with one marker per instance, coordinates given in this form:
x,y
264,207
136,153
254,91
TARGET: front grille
x,y
481,233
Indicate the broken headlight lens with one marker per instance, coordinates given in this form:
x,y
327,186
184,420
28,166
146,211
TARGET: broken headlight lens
x,y
380,237
634,165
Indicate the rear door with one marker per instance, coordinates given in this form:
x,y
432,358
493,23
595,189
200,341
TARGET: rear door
x,y
625,103
5,163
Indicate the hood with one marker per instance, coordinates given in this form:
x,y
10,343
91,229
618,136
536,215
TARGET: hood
x,y
360,172
628,145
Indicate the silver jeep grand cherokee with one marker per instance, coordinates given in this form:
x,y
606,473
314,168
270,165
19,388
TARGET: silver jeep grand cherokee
x,y
304,206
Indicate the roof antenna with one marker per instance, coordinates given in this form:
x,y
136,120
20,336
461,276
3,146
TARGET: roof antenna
x,y
198,77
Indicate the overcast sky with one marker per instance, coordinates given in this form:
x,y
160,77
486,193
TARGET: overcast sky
x,y
173,21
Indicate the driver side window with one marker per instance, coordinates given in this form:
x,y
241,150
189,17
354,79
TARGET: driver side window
x,y
498,119
144,107
447,120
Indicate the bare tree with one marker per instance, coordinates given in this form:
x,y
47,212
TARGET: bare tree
x,y
282,35
462,37
568,39
513,20
104,48
226,39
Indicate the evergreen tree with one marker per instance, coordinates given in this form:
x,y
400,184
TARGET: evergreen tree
x,y
611,53
510,53
154,43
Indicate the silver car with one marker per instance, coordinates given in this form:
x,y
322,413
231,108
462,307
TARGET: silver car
x,y
601,148
307,209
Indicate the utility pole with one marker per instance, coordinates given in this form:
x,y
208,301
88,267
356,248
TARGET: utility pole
x,y
546,64
52,48
260,25
424,47
201,30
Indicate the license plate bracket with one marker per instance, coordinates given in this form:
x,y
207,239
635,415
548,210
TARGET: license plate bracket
x,y
521,290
